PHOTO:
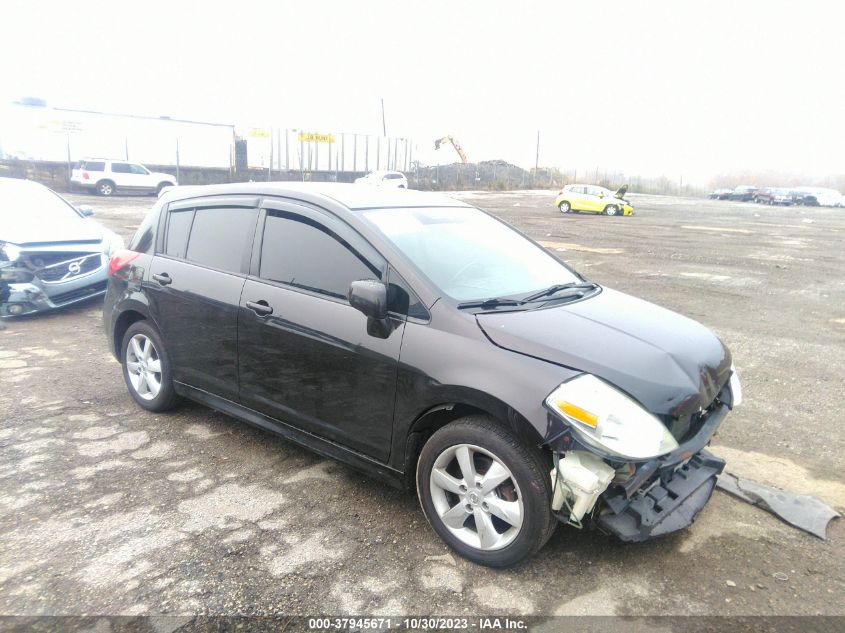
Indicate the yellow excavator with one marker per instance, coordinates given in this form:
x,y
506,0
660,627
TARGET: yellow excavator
x,y
451,140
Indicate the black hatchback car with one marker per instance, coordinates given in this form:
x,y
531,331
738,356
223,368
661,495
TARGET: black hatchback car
x,y
428,343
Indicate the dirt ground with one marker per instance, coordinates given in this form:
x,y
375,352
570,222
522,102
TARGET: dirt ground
x,y
108,509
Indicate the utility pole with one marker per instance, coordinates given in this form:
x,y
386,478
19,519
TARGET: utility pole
x,y
270,165
383,124
537,155
69,165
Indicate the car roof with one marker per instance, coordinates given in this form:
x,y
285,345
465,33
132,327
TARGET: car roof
x,y
9,183
351,196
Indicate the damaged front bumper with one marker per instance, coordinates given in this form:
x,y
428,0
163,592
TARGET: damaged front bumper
x,y
670,503
45,278
29,298
655,497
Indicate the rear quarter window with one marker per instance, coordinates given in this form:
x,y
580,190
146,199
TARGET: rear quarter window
x,y
144,239
89,165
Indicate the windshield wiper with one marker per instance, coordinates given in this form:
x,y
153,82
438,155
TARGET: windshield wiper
x,y
494,302
587,285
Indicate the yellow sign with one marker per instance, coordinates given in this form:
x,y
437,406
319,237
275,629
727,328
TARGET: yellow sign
x,y
63,126
317,138
258,132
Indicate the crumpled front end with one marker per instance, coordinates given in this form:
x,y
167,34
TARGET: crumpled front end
x,y
669,503
38,281
636,500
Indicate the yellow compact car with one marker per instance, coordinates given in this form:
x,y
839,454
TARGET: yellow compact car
x,y
592,199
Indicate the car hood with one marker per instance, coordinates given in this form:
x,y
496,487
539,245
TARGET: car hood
x,y
160,176
620,193
35,230
672,365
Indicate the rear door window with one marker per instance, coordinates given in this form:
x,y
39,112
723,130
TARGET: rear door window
x,y
220,237
120,168
178,228
304,253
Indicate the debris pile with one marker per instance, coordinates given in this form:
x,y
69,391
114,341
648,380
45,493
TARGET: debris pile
x,y
489,174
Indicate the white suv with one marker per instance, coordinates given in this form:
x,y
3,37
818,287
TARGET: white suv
x,y
105,177
384,179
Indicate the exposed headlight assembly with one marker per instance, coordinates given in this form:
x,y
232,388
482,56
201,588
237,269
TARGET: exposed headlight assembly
x,y
603,417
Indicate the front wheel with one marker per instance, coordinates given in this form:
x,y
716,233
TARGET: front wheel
x,y
611,209
485,493
146,368
564,207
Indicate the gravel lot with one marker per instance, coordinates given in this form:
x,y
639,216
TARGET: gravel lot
x,y
108,509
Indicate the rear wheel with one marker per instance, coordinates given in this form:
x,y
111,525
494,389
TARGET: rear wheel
x,y
105,188
564,207
146,368
485,493
611,209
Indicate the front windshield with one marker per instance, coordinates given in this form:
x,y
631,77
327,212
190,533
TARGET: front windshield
x,y
468,254
27,202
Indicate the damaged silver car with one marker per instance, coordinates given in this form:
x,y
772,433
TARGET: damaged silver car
x,y
51,253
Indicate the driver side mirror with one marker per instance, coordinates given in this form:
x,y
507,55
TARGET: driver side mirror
x,y
85,210
369,296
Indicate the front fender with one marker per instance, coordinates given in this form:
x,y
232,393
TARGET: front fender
x,y
463,367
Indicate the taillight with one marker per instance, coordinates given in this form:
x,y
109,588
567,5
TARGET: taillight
x,y
121,259
84,175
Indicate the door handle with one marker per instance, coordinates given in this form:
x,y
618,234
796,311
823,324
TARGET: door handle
x,y
261,308
163,279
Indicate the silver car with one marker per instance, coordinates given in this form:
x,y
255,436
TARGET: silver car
x,y
51,253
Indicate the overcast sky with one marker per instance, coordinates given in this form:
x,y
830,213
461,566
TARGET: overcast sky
x,y
652,88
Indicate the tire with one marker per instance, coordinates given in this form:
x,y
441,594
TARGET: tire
x,y
105,188
161,186
564,207
611,209
152,390
522,492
